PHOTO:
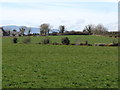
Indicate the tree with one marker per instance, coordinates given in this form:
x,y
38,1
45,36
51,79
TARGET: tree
x,y
92,29
1,31
100,29
29,30
44,29
14,32
22,30
89,29
7,31
62,29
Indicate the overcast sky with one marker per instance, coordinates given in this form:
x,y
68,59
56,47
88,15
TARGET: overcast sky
x,y
74,14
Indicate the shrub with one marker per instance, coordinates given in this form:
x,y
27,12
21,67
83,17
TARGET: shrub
x,y
46,41
75,33
116,44
86,42
15,40
89,44
55,43
27,40
72,44
54,33
115,36
110,44
65,41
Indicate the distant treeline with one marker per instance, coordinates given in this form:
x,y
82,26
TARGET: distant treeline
x,y
45,30
70,33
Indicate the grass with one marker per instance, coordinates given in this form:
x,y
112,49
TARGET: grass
x,y
73,38
53,66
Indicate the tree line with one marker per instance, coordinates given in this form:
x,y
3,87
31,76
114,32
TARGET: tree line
x,y
46,28
89,29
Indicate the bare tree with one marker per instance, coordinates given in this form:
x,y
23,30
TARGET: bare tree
x,y
14,32
89,29
100,29
1,31
62,29
22,30
92,29
44,29
29,30
7,31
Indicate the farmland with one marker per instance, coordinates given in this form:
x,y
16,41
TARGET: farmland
x,y
59,66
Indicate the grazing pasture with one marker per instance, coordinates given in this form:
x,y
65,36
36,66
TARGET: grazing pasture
x,y
59,66
73,39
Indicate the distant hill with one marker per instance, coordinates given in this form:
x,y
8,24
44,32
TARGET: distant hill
x,y
11,27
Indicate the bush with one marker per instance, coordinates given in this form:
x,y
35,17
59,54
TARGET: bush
x,y
86,42
65,41
72,44
15,40
55,43
75,33
27,40
54,33
46,41
89,44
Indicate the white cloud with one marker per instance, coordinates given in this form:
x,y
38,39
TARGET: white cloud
x,y
73,19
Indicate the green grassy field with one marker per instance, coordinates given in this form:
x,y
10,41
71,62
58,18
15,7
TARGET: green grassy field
x,y
60,66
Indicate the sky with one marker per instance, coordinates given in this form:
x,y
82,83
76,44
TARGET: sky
x,y
74,14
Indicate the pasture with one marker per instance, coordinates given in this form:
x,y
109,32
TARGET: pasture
x,y
59,66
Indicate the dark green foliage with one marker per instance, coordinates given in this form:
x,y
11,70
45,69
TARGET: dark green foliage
x,y
26,40
65,41
86,42
15,40
72,44
55,43
62,29
75,33
89,44
46,41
